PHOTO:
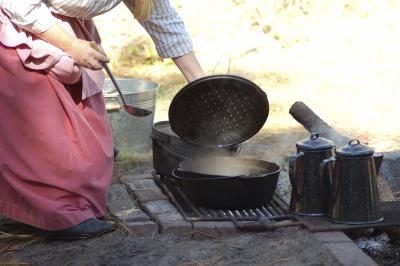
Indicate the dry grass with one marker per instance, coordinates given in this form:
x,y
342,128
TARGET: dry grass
x,y
11,243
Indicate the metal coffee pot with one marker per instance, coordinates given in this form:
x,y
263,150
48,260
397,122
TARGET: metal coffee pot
x,y
309,189
354,195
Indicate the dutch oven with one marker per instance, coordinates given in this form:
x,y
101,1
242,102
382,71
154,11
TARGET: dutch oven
x,y
222,111
227,182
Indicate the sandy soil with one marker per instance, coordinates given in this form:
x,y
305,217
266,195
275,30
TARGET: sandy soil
x,y
339,57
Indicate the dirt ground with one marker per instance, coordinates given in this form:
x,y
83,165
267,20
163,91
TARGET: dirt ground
x,y
285,247
290,246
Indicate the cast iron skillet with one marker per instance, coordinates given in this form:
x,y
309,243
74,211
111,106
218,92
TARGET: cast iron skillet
x,y
218,111
227,182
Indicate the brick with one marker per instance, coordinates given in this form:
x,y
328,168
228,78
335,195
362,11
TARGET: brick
x,y
146,190
122,206
142,184
176,228
159,206
173,223
349,254
170,217
131,177
332,237
215,228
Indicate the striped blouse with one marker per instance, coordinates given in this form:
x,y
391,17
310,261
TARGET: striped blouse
x,y
165,26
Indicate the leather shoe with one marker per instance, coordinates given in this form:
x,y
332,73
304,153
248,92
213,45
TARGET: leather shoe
x,y
87,229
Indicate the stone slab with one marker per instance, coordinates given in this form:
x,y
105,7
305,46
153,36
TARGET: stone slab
x,y
348,254
146,190
343,249
332,237
122,206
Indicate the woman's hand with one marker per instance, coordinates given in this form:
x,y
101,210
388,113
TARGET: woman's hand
x,y
84,53
87,54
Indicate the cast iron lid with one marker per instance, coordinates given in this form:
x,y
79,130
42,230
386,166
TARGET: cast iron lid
x,y
162,131
355,149
218,111
315,143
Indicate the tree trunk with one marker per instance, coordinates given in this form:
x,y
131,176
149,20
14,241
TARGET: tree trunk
x,y
313,123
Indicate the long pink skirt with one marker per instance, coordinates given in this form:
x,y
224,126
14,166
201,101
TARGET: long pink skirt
x,y
56,150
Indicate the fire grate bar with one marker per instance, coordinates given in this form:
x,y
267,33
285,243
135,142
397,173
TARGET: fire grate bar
x,y
277,209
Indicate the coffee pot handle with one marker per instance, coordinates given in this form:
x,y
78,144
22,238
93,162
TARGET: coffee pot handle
x,y
298,176
378,158
326,173
327,176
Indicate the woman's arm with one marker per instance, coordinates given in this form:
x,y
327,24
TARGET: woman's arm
x,y
189,66
170,37
35,17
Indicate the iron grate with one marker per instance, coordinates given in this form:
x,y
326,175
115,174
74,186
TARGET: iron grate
x,y
277,209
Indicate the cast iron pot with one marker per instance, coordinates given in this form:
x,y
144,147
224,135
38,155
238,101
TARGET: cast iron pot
x,y
169,150
227,182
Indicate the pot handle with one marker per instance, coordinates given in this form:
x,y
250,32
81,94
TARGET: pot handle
x,y
298,173
326,174
378,158
292,160
174,175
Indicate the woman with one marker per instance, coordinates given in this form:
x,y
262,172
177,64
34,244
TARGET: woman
x,y
55,142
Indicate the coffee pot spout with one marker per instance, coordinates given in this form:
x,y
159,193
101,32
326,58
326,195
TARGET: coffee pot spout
x,y
378,158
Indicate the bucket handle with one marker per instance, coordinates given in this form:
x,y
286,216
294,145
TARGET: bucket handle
x,y
114,107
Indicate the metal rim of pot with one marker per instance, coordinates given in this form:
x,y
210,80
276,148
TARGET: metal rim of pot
x,y
204,177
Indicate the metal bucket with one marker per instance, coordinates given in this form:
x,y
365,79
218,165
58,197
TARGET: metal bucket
x,y
131,134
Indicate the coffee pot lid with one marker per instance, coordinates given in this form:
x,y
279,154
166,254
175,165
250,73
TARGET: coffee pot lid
x,y
355,149
315,142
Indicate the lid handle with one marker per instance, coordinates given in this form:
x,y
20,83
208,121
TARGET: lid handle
x,y
354,142
314,136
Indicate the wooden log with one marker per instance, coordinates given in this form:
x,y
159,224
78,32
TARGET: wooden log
x,y
313,123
